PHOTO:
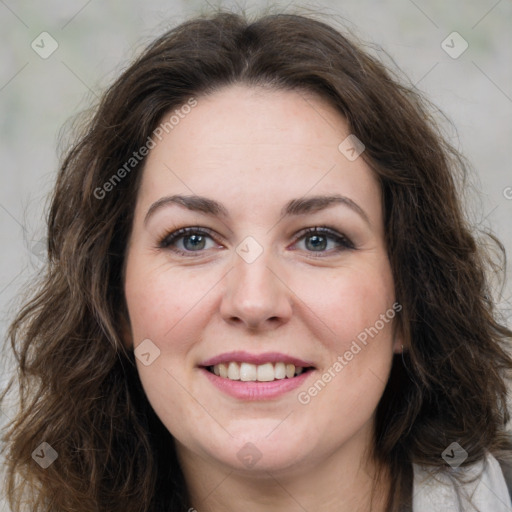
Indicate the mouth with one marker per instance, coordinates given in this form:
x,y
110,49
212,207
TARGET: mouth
x,y
266,372
248,376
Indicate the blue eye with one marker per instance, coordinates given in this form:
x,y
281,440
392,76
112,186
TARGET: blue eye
x,y
324,239
191,239
321,240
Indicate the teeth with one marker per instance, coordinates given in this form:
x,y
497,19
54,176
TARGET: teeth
x,y
280,370
265,372
261,373
248,371
223,370
233,371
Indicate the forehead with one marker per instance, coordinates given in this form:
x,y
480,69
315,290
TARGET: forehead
x,y
253,147
254,116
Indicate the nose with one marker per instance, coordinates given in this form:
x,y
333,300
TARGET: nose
x,y
256,295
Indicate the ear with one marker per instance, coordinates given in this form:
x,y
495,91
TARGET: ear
x,y
399,344
125,331
399,348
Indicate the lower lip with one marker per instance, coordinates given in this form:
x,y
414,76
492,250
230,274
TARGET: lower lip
x,y
256,390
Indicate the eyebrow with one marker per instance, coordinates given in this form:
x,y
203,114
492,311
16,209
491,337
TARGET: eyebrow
x,y
294,207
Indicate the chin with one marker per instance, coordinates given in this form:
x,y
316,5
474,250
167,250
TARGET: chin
x,y
262,448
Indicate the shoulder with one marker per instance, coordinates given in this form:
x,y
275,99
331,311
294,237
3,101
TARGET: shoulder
x,y
479,487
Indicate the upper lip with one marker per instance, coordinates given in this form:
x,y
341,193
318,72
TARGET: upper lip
x,y
245,357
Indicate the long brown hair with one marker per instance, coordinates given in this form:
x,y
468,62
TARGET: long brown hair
x,y
79,390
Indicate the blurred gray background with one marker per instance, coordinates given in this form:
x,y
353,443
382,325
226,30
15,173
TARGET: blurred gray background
x,y
58,56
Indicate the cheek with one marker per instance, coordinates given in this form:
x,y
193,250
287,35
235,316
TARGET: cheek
x,y
348,303
162,299
165,306
353,318
361,317
359,314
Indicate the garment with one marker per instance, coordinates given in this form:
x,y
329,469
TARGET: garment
x,y
484,483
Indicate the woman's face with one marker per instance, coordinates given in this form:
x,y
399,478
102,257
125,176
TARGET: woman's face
x,y
251,171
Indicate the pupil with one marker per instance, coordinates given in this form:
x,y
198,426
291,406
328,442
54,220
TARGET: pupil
x,y
316,242
196,241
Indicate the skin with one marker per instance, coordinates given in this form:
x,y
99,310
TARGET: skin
x,y
253,150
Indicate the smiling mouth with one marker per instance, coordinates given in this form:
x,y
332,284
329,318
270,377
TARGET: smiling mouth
x,y
247,372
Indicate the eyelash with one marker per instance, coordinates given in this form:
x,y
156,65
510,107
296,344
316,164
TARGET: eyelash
x,y
325,231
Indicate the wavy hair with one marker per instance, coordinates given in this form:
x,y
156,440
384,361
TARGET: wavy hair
x,y
78,388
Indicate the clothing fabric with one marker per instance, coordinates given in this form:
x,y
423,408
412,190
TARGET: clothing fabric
x,y
483,488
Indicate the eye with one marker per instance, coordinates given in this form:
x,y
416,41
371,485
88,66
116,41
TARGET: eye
x,y
187,240
323,239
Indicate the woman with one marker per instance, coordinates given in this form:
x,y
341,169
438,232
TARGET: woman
x,y
262,293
